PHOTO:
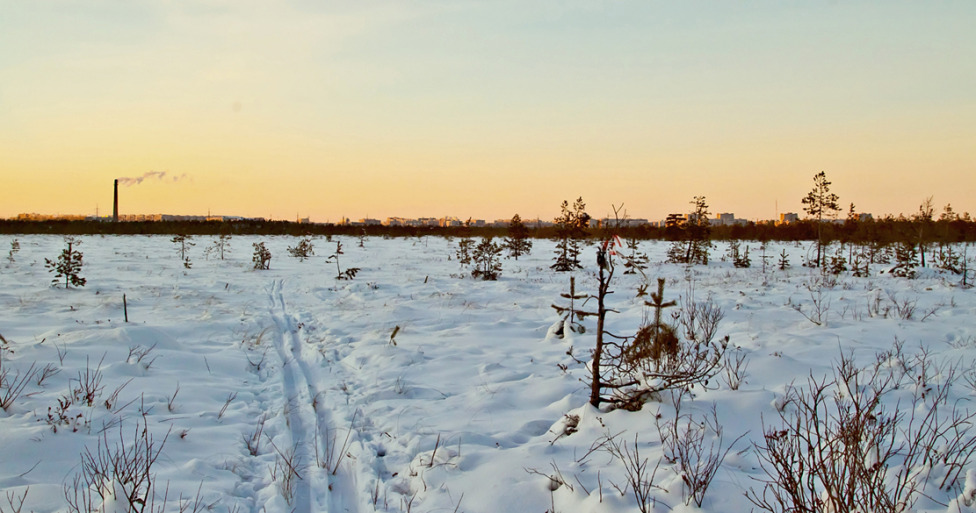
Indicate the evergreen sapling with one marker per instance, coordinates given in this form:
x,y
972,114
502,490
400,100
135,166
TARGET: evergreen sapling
x,y
68,265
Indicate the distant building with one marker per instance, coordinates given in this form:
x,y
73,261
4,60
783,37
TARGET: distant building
x,y
46,217
537,223
628,222
788,217
167,217
366,221
728,220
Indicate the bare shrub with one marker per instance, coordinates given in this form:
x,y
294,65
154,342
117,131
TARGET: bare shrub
x,y
253,442
223,409
905,308
113,398
819,308
735,365
699,319
12,386
285,472
89,383
696,448
46,372
140,355
16,502
332,454
121,472
61,415
640,475
840,449
171,401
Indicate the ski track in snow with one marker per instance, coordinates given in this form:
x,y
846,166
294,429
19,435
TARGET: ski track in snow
x,y
316,441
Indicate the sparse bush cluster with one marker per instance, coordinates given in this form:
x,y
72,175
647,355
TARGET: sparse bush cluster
x,y
840,446
119,472
628,370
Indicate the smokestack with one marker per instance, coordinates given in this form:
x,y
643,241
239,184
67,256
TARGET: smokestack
x,y
115,204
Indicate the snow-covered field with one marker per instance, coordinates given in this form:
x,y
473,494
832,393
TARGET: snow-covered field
x,y
281,390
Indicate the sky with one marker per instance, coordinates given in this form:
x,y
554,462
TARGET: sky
x,y
484,109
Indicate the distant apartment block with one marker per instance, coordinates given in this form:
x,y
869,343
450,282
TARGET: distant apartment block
x,y
788,217
728,220
45,217
628,222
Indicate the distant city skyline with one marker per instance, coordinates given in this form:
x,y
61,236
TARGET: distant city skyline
x,y
484,109
717,219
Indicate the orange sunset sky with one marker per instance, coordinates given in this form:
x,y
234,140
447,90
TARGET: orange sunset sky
x,y
484,109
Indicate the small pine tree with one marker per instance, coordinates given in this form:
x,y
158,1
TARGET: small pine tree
x,y
183,246
947,259
261,257
463,253
964,268
838,263
303,250
784,260
68,265
14,248
860,265
518,242
740,257
906,260
487,261
571,315
349,273
923,226
820,203
571,226
694,244
220,246
638,260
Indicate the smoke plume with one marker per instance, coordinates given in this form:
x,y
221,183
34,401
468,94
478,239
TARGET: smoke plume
x,y
159,175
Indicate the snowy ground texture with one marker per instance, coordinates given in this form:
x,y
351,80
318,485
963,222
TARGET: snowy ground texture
x,y
280,390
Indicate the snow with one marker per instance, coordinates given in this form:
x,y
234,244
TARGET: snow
x,y
464,409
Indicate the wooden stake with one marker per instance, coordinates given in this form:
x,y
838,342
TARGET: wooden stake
x,y
125,308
